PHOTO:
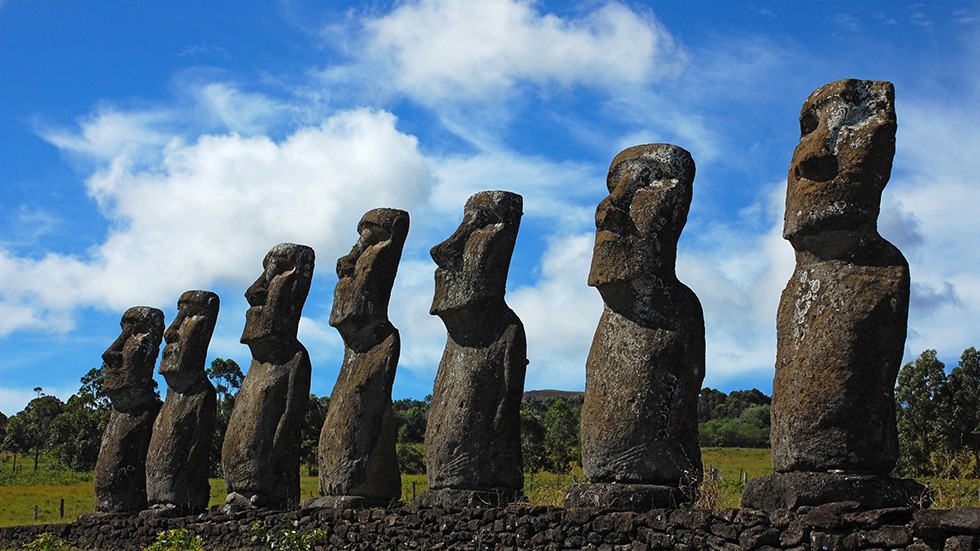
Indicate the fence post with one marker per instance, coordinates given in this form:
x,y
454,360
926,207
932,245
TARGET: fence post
x,y
413,490
35,513
61,508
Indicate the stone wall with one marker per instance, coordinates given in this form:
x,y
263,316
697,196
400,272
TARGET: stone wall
x,y
827,527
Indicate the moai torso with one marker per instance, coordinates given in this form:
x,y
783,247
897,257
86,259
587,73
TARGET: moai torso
x,y
842,318
120,470
177,462
646,364
260,454
357,442
473,438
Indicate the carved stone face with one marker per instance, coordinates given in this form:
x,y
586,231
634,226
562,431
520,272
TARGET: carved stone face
x,y
187,339
843,160
129,360
639,222
367,273
473,262
276,298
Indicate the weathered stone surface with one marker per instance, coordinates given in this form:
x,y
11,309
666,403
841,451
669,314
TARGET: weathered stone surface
x,y
793,490
177,460
842,318
646,365
120,470
451,498
357,443
961,521
260,454
473,438
625,497
518,526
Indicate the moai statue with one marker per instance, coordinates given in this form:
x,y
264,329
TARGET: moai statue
x,y
842,317
357,460
473,436
120,470
260,454
177,462
644,370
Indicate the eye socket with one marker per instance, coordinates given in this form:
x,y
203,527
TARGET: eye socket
x,y
372,234
484,217
809,122
278,266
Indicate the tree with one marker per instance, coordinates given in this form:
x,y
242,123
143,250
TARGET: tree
x,y
227,378
709,400
36,420
3,426
561,439
410,419
316,413
77,432
16,438
738,401
411,458
919,410
961,406
91,390
757,416
533,455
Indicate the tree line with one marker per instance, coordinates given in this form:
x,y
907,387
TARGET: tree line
x,y
938,416
70,432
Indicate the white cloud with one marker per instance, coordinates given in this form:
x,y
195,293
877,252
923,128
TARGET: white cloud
x,y
423,336
208,211
244,113
552,191
559,312
935,202
454,50
738,275
109,133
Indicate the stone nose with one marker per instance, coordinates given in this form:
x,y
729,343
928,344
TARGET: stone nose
x,y
448,255
816,155
347,263
610,217
113,354
256,293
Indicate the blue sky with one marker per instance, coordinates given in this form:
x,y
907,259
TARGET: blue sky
x,y
153,147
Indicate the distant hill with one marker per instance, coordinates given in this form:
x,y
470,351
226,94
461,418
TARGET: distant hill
x,y
549,394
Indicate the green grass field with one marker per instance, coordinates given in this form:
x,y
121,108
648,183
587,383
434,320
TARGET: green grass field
x,y
20,491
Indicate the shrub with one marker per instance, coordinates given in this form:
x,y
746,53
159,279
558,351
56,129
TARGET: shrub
x,y
289,537
48,542
178,539
411,458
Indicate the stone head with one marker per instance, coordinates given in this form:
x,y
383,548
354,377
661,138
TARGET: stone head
x,y
639,222
129,359
472,264
843,160
276,298
187,339
367,273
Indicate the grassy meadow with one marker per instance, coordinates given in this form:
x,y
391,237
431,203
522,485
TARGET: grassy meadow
x,y
20,491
